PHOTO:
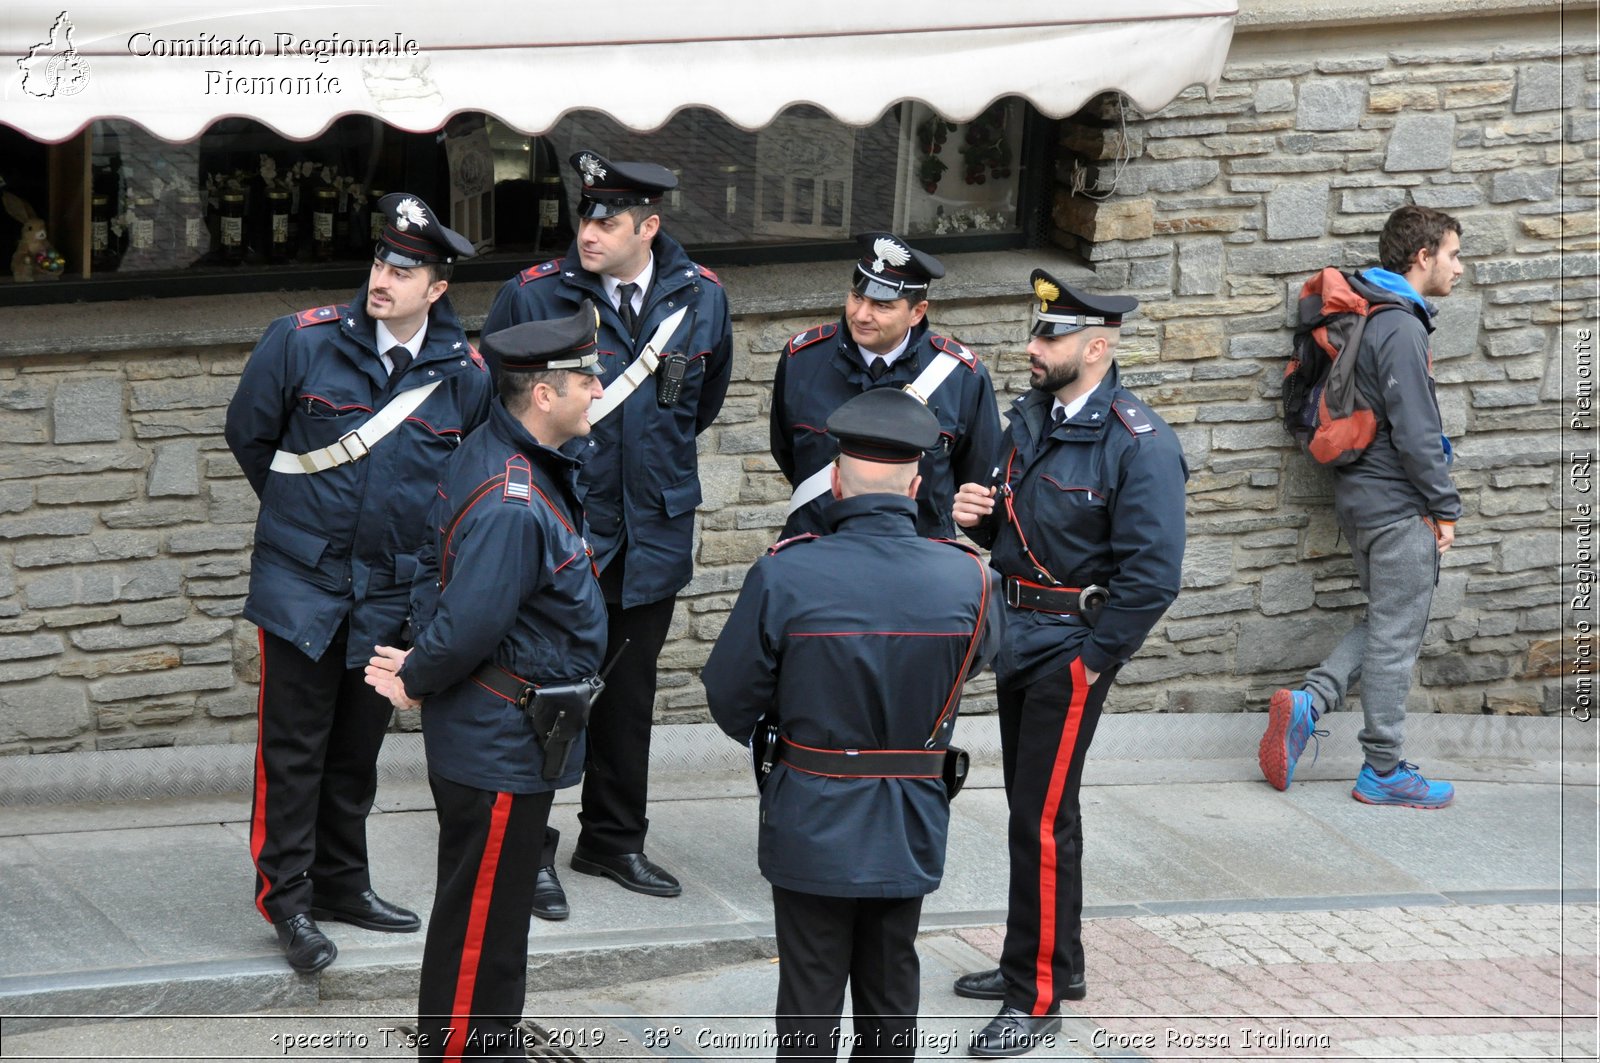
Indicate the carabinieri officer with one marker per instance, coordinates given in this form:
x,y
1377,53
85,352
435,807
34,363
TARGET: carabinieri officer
x,y
643,483
1085,521
344,418
509,602
882,341
857,644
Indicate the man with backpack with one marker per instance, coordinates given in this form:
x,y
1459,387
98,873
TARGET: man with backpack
x,y
1396,505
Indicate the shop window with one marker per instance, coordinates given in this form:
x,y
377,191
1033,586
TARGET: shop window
x,y
239,197
242,207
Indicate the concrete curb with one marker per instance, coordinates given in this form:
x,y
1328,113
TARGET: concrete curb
x,y
194,771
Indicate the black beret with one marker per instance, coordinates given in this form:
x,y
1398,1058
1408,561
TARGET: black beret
x,y
413,235
1059,308
558,343
885,425
892,269
612,187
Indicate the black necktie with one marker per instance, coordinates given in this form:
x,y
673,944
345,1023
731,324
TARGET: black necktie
x,y
1059,414
878,367
625,307
401,359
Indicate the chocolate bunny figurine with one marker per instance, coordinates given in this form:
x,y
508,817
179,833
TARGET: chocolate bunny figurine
x,y
34,257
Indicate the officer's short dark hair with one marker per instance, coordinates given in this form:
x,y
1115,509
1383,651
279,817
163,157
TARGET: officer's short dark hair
x,y
516,388
1409,230
439,271
641,214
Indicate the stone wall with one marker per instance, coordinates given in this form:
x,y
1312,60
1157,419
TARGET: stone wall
x,y
125,525
1215,210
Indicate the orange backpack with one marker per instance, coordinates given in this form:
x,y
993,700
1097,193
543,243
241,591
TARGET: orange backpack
x,y
1322,407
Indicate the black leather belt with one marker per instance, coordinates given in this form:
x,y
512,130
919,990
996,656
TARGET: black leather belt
x,y
1080,601
499,681
863,763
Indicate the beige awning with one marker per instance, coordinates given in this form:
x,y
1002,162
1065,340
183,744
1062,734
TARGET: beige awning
x,y
175,67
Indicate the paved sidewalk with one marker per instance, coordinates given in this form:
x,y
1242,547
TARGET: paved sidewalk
x,y
1299,925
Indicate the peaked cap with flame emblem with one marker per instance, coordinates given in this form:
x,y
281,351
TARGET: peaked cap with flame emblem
x,y
1059,308
413,235
892,269
612,187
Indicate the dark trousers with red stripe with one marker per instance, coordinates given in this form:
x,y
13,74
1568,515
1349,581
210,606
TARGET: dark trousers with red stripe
x,y
319,731
824,941
475,961
616,779
1046,726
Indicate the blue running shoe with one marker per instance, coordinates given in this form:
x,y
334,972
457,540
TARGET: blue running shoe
x,y
1291,723
1405,786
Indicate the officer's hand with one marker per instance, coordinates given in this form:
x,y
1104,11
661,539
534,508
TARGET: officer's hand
x,y
1092,676
383,675
973,503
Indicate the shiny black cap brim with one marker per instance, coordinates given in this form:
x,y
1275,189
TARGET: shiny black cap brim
x,y
385,253
608,208
869,287
1044,328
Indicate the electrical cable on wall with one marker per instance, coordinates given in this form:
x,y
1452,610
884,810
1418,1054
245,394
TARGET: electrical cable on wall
x,y
1080,172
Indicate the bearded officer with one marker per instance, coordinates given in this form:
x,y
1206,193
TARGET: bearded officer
x,y
343,419
517,607
856,644
642,485
1085,522
882,341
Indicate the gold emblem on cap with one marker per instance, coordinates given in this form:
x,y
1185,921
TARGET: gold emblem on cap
x,y
1047,293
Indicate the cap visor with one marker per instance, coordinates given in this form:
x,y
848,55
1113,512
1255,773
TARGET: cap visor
x,y
385,253
1043,327
874,289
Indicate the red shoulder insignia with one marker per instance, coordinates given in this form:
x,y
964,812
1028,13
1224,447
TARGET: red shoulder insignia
x,y
708,275
543,269
815,334
1132,417
959,545
784,544
321,315
955,350
477,359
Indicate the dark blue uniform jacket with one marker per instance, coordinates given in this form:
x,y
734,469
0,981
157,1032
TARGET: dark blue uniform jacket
x,y
643,482
857,639
344,541
821,368
1100,501
520,592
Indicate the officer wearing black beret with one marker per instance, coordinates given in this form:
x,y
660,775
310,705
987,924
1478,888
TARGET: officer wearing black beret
x,y
518,606
342,421
882,341
643,483
855,645
1085,521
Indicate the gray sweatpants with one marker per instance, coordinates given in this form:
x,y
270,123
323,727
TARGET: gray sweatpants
x,y
1398,565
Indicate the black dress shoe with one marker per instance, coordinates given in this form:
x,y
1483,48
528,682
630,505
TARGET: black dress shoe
x,y
1013,1032
991,985
632,871
368,911
549,899
306,947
